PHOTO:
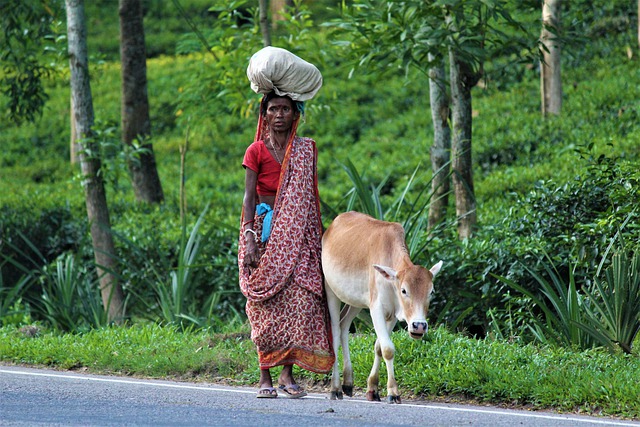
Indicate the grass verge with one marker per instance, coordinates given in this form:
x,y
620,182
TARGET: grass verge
x,y
443,366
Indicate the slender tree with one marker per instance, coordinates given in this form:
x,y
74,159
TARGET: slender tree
x,y
465,73
441,148
265,28
277,7
463,79
136,123
95,196
550,78
415,33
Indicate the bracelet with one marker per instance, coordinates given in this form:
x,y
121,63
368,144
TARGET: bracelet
x,y
247,222
251,231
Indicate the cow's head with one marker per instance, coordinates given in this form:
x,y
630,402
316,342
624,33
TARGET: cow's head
x,y
413,286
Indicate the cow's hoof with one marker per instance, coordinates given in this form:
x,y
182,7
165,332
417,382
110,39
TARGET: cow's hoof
x,y
348,390
373,396
394,399
336,395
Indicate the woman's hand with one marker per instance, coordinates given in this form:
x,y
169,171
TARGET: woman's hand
x,y
251,253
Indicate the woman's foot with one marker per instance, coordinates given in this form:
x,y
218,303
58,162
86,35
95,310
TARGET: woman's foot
x,y
293,391
266,385
288,385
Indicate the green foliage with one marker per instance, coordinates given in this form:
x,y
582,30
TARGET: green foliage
x,y
614,312
366,198
185,289
416,33
499,371
34,233
62,294
533,192
585,314
563,308
180,291
12,309
27,36
71,300
572,222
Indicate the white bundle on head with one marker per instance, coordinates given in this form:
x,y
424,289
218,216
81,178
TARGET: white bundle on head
x,y
278,70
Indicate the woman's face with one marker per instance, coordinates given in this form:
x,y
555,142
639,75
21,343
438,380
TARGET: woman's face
x,y
280,114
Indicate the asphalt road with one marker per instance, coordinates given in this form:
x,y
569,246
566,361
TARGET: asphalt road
x,y
35,397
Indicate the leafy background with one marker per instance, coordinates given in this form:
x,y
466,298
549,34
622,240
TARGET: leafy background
x,y
562,186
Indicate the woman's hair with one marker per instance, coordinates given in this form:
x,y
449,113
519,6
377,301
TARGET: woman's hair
x,y
298,105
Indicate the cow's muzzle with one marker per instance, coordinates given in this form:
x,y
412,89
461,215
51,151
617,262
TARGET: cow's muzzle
x,y
417,329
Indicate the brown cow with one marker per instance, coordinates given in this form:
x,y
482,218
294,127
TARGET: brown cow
x,y
366,265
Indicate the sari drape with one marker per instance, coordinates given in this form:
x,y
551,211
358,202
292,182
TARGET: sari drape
x,y
286,303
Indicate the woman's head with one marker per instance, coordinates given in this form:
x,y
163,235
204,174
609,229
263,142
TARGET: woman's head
x,y
297,106
280,114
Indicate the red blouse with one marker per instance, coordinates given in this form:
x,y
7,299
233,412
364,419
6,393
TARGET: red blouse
x,y
259,159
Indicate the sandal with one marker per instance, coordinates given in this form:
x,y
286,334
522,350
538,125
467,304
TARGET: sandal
x,y
267,393
293,391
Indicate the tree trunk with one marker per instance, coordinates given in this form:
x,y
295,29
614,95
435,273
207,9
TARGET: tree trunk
x,y
96,200
136,123
264,23
462,80
550,79
441,148
73,140
277,7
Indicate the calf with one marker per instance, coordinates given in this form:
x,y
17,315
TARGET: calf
x,y
366,265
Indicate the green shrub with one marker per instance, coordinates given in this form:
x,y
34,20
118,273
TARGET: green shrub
x,y
156,266
525,168
49,230
12,308
562,305
614,312
71,300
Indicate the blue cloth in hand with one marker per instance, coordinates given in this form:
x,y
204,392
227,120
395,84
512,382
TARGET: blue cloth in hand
x,y
266,223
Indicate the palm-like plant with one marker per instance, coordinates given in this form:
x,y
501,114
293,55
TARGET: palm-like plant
x,y
11,297
561,304
614,312
365,197
70,298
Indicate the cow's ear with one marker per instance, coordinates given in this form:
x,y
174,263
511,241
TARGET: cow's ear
x,y
387,272
436,268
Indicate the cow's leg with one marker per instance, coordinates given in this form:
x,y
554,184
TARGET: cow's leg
x,y
346,317
334,314
372,382
393,395
384,349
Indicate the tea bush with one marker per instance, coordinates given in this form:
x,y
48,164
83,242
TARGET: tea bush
x,y
533,191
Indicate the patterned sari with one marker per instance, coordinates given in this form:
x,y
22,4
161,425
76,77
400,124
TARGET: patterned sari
x,y
286,303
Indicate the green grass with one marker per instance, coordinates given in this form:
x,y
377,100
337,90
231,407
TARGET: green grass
x,y
143,350
443,365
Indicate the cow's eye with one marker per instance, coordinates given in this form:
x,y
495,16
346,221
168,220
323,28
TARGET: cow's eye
x,y
404,291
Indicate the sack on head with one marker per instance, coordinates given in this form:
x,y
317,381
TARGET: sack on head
x,y
276,69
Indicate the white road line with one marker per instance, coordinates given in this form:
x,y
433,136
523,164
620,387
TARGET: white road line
x,y
154,383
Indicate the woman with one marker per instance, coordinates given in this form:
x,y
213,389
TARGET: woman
x,y
279,250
